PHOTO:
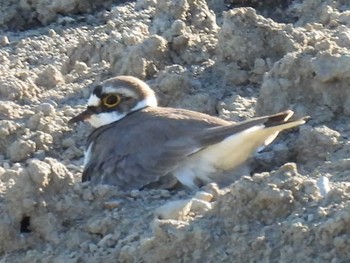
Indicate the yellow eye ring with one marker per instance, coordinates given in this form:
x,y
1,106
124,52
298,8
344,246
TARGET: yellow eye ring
x,y
111,100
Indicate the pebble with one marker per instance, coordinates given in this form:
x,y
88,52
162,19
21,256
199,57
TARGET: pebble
x,y
20,150
323,185
176,210
6,165
39,171
92,247
200,206
101,190
204,196
4,41
135,193
46,108
80,66
110,205
87,195
2,171
68,142
52,33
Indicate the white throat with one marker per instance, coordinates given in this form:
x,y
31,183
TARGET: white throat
x,y
105,118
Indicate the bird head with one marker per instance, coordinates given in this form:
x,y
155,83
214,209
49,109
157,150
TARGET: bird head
x,y
115,98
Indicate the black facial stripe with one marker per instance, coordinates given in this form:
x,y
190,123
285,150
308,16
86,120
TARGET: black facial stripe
x,y
98,91
94,109
106,109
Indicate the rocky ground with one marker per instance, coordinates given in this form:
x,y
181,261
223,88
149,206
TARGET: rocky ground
x,y
234,59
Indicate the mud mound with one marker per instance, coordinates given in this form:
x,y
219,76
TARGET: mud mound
x,y
235,64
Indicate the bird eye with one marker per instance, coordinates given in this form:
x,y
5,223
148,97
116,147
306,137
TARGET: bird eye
x,y
111,100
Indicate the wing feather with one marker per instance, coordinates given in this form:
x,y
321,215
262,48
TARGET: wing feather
x,y
132,154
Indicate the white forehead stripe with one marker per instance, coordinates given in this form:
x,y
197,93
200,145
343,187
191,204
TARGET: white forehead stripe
x,y
120,90
94,100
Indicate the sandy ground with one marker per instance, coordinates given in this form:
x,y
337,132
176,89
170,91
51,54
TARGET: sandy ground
x,y
234,59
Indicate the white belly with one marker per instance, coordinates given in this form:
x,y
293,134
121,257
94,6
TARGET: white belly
x,y
226,155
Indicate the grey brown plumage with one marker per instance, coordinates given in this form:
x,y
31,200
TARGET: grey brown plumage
x,y
153,143
163,148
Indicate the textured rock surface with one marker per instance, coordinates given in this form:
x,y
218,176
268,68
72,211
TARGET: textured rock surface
x,y
257,57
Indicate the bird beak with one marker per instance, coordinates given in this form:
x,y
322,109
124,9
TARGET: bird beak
x,y
85,115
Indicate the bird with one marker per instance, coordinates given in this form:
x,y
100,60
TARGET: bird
x,y
137,144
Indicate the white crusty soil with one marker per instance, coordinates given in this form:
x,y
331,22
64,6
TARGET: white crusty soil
x,y
215,57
